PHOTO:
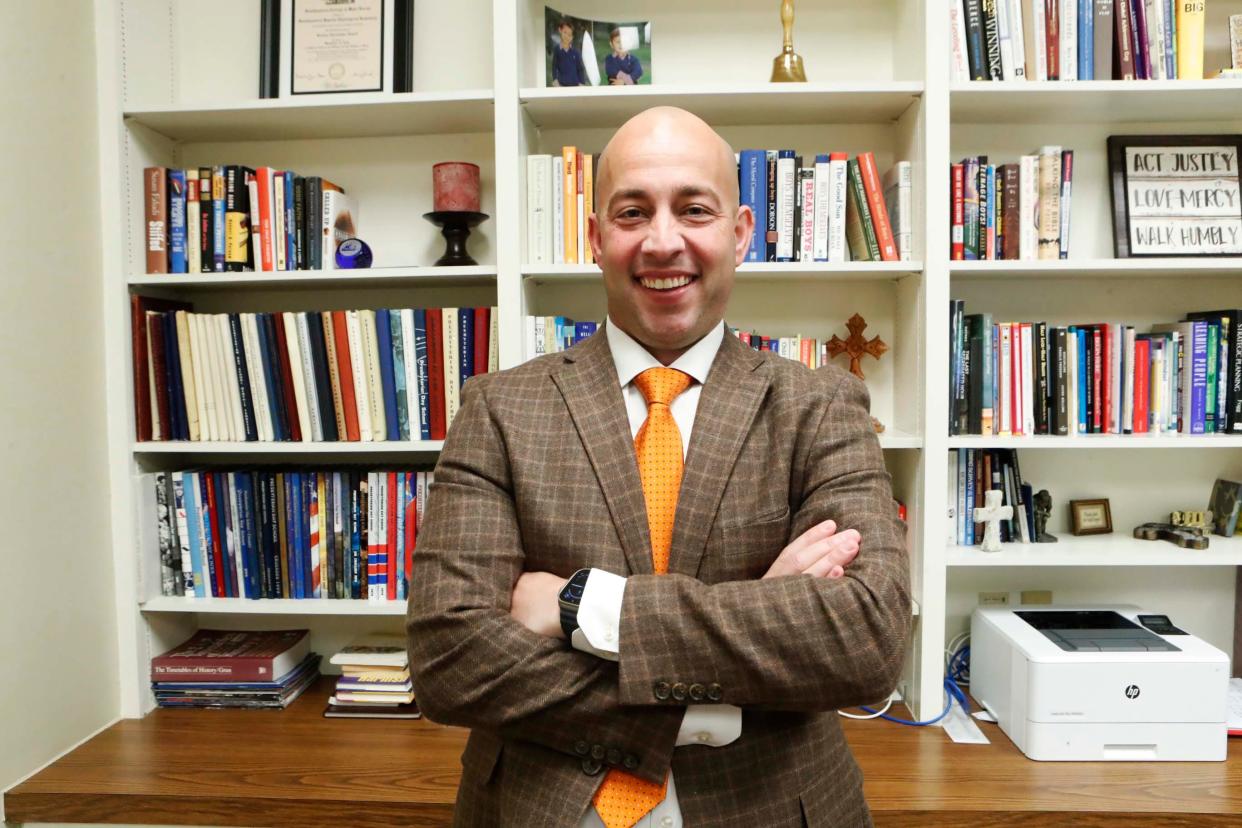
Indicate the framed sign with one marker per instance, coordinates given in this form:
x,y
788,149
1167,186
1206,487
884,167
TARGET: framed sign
x,y
1175,195
320,47
1090,517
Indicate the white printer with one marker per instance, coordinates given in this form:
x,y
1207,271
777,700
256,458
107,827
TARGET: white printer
x,y
1099,683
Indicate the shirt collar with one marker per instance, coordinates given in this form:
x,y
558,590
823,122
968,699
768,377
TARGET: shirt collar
x,y
631,358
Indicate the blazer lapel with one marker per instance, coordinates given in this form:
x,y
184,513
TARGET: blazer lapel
x,y
588,382
735,387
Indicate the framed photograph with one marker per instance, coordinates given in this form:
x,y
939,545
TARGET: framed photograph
x,y
1090,517
1175,195
582,52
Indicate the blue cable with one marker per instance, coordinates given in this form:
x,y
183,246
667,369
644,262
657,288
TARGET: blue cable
x,y
950,687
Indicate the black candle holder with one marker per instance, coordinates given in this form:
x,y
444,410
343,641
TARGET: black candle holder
x,y
455,226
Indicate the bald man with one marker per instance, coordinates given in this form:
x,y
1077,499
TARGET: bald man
x,y
655,564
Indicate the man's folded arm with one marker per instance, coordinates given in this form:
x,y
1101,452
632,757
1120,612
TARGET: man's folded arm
x,y
476,666
795,642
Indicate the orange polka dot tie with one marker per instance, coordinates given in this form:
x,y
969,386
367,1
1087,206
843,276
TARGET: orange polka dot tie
x,y
623,799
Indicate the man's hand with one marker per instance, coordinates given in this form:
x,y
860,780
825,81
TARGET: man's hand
x,y
819,552
536,603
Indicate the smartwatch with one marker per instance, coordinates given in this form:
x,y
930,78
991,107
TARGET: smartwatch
x,y
570,599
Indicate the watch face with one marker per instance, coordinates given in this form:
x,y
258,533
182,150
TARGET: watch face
x,y
572,591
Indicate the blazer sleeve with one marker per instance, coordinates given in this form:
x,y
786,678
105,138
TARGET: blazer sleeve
x,y
797,642
472,663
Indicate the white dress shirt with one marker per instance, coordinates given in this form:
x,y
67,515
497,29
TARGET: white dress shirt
x,y
599,614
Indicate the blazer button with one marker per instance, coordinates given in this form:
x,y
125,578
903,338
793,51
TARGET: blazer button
x,y
714,692
661,690
582,748
631,761
614,756
591,766
679,691
697,691
597,752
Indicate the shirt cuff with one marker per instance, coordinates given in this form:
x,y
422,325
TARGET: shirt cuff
x,y
715,725
599,615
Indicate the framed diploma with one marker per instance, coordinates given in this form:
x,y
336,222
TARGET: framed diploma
x,y
338,46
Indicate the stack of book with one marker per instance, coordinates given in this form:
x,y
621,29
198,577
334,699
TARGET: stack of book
x,y
972,472
811,352
1077,39
287,534
347,375
235,668
552,334
375,681
1012,211
238,219
838,209
834,210
1024,378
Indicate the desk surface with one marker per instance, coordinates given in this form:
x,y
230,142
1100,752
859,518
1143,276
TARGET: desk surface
x,y
296,768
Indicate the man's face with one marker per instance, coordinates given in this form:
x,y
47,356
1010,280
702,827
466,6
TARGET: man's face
x,y
668,235
616,46
566,32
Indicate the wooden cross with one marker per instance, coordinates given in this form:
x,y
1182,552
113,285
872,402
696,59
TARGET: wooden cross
x,y
991,515
856,345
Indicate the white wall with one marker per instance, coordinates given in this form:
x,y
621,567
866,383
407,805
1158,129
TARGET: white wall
x,y
58,656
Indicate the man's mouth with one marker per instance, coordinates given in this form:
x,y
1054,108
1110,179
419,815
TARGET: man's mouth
x,y
665,282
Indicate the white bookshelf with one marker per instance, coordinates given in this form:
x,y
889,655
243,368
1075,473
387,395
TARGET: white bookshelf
x,y
878,80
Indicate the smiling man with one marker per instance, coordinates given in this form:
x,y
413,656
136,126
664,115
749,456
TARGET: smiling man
x,y
606,590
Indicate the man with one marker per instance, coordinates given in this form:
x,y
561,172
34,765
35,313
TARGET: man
x,y
567,66
621,67
700,640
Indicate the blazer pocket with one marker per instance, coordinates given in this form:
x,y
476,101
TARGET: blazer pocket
x,y
761,537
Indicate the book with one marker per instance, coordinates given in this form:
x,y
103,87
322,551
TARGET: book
x,y
1190,19
155,214
378,650
898,184
348,711
233,655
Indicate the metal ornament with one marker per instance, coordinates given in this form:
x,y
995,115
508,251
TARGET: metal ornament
x,y
787,66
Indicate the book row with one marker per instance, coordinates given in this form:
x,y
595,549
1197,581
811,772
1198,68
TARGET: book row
x,y
820,213
343,375
304,534
972,473
1077,39
232,218
552,334
1029,378
1012,211
833,210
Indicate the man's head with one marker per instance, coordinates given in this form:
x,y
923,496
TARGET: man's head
x,y
667,229
614,38
566,30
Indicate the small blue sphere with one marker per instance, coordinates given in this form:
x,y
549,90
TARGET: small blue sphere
x,y
353,254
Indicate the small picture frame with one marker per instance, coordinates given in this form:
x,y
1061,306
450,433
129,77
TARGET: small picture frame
x,y
1176,195
1090,517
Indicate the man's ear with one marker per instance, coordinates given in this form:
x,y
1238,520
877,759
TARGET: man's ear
x,y
593,234
743,232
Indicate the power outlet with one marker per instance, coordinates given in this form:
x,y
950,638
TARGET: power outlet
x,y
993,599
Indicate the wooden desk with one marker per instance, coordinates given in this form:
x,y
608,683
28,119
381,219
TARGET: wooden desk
x,y
297,769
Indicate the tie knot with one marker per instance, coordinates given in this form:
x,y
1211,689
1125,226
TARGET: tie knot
x,y
662,385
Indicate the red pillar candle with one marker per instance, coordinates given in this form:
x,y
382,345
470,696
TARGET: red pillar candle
x,y
456,186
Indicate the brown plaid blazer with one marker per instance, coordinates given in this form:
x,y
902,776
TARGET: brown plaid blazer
x,y
538,474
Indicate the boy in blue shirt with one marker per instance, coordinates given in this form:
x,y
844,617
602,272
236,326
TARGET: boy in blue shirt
x,y
621,67
567,66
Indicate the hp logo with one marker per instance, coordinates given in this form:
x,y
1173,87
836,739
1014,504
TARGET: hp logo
x,y
1132,691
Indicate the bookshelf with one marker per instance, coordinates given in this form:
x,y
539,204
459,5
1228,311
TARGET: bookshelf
x,y
879,81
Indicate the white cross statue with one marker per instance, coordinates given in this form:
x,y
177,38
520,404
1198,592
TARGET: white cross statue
x,y
991,515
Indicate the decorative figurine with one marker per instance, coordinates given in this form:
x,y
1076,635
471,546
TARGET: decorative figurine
x,y
1043,511
1187,537
990,516
856,346
787,66
456,210
1192,519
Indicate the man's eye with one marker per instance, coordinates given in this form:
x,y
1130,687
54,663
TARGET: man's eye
x,y
630,213
697,210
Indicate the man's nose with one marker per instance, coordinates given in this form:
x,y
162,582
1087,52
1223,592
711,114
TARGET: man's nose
x,y
664,239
